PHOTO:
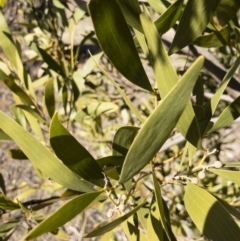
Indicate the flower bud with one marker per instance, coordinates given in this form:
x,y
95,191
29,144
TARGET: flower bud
x,y
201,174
194,180
217,164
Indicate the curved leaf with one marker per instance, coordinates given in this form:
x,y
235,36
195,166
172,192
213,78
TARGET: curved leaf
x,y
73,154
64,214
49,97
194,20
208,214
41,157
160,124
116,41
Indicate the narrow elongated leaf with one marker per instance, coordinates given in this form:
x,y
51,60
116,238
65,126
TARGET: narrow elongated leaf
x,y
158,6
214,39
123,140
169,17
166,78
131,11
160,123
49,97
208,214
109,24
6,227
64,214
7,204
158,196
41,157
110,226
233,176
211,105
229,114
73,154
194,20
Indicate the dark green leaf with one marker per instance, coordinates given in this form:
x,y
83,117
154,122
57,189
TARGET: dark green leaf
x,y
123,140
7,204
64,214
160,124
208,214
6,227
17,154
194,20
49,97
2,184
108,161
73,154
110,226
116,41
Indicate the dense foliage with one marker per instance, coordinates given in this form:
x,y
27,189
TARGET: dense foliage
x,y
119,153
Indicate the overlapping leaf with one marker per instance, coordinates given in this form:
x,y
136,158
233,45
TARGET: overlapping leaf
x,y
160,123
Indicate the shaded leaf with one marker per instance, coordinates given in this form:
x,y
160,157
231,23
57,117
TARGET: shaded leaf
x,y
6,227
109,161
41,157
214,39
160,124
49,97
110,226
109,24
64,214
194,20
7,204
2,184
17,154
228,115
169,17
208,214
123,140
73,154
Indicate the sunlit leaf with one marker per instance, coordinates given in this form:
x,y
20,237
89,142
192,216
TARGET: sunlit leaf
x,y
160,124
208,214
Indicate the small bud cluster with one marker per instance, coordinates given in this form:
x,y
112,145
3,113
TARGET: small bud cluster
x,y
202,174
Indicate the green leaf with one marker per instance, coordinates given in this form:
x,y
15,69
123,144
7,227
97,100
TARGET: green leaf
x,y
2,3
6,227
158,6
233,176
41,157
208,214
7,204
2,184
109,24
214,39
52,64
49,97
64,214
166,78
17,154
4,136
229,114
123,140
226,10
211,105
73,154
110,226
194,20
232,164
131,11
169,17
160,124
158,196
108,161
